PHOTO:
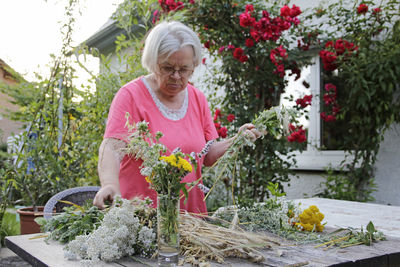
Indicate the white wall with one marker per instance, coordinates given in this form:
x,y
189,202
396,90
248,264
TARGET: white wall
x,y
388,169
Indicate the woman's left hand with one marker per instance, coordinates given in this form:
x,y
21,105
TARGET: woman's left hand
x,y
250,131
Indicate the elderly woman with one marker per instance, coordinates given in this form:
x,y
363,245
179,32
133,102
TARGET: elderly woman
x,y
170,104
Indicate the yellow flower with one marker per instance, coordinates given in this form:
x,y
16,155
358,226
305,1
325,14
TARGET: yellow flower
x,y
184,164
310,219
178,162
313,208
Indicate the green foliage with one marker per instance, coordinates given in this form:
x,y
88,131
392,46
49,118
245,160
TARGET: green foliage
x,y
346,237
71,223
339,185
73,161
9,226
369,92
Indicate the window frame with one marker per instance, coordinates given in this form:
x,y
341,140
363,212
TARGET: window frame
x,y
314,158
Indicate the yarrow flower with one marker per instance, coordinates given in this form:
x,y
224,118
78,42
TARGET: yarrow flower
x,y
121,233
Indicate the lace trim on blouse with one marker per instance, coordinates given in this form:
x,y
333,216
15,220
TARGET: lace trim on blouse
x,y
172,114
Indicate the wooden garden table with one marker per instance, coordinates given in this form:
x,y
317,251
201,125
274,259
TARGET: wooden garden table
x,y
338,213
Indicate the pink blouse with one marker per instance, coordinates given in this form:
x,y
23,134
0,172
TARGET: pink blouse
x,y
189,133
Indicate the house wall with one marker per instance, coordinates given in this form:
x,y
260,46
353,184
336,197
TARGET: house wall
x,y
388,168
7,126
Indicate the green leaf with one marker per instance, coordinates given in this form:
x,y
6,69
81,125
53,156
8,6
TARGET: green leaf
x,y
371,228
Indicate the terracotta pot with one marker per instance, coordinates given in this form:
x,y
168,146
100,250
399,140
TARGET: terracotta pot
x,y
27,217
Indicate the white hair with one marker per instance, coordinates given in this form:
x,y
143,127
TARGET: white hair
x,y
165,39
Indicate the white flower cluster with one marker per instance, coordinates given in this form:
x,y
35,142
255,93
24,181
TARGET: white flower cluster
x,y
119,235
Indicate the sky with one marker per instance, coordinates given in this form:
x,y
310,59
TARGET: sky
x,y
30,31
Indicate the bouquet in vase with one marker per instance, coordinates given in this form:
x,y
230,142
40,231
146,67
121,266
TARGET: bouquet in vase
x,y
164,174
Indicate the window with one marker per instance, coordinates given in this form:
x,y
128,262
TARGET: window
x,y
323,147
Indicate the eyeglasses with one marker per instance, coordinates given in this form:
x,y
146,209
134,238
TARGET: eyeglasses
x,y
184,72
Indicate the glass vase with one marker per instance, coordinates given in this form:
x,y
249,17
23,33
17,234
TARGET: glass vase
x,y
168,230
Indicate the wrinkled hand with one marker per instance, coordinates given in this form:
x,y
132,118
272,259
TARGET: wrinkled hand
x,y
107,192
250,132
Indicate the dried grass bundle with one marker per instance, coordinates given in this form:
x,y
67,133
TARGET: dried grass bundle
x,y
202,241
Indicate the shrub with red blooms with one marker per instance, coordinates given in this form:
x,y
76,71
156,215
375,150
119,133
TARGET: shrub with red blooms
x,y
328,60
298,134
305,101
170,5
330,101
341,48
230,117
282,55
218,118
268,28
246,20
310,39
362,9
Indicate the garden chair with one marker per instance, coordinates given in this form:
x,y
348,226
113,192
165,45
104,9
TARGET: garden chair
x,y
76,195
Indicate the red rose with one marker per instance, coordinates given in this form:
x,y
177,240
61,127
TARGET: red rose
x,y
246,20
207,44
217,112
238,53
329,99
255,34
335,109
297,135
339,47
217,125
204,60
328,60
296,21
230,117
305,101
223,132
179,5
377,10
295,11
249,42
243,58
329,44
156,16
362,9
330,87
330,118
285,11
249,8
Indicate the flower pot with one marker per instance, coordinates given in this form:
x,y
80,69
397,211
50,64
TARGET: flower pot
x,y
27,219
168,230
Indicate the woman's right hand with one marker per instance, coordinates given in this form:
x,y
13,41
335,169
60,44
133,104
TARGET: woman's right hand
x,y
107,192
